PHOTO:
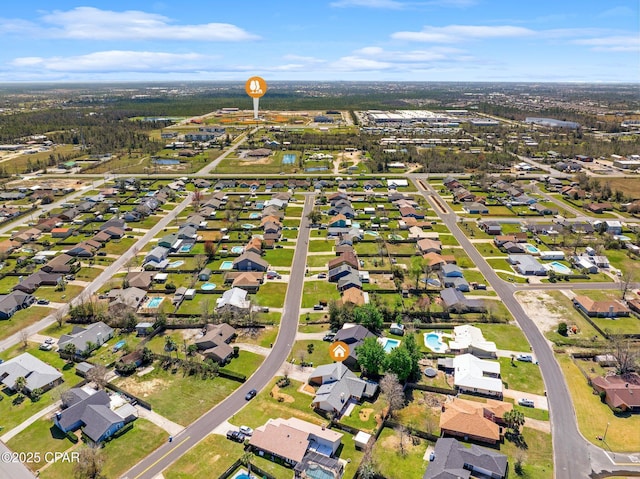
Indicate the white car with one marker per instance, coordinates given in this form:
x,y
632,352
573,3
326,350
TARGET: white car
x,y
527,358
246,430
526,402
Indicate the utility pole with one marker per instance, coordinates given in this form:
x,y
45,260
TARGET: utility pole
x,y
605,432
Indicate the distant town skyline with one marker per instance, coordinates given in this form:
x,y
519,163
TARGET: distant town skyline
x,y
328,40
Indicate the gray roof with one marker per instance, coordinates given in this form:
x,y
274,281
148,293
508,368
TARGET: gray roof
x,y
37,373
352,278
96,333
339,385
448,269
132,297
13,300
452,297
451,457
98,419
159,252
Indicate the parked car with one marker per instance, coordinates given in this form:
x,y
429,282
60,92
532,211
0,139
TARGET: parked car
x,y
318,307
246,430
526,402
322,275
527,358
43,301
49,341
46,347
250,395
236,436
329,337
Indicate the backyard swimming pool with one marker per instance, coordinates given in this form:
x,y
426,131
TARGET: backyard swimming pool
x,y
176,264
165,162
559,268
389,344
154,302
237,249
288,159
531,249
434,342
186,248
316,168
248,226
254,216
226,265
371,233
208,286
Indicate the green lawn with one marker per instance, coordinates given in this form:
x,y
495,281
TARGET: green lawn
x,y
620,259
320,246
164,390
50,293
593,415
538,458
319,356
88,274
621,325
391,463
315,291
279,257
41,436
319,260
506,336
521,376
246,363
365,416
214,454
119,246
271,295
22,319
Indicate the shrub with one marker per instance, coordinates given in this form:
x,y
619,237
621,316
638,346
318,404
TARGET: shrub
x,y
563,329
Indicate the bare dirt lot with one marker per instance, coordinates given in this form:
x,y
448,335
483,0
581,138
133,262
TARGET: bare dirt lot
x,y
542,308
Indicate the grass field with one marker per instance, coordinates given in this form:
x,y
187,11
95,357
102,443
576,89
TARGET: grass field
x,y
593,415
214,454
22,319
319,356
315,291
521,376
271,295
506,336
391,463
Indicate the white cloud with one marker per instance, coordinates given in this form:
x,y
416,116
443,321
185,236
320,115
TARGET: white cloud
x,y
388,4
460,33
89,23
411,56
118,61
615,43
620,11
355,63
303,59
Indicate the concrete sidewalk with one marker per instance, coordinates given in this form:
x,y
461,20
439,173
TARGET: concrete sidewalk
x,y
28,422
162,422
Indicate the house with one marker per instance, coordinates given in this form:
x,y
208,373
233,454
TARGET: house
x,y
543,209
249,261
254,245
204,274
38,374
427,245
348,258
410,211
354,296
187,233
469,339
94,412
214,343
289,440
60,264
86,339
250,281
598,208
600,309
455,301
37,279
451,271
131,297
335,274
352,280
156,256
13,302
475,208
233,300
527,265
584,263
144,328
551,255
338,221
512,248
477,376
490,227
458,283
620,392
338,388
453,460
139,279
473,420
353,335
170,241
61,232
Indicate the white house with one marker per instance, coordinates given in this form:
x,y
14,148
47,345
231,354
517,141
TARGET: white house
x,y
469,339
473,375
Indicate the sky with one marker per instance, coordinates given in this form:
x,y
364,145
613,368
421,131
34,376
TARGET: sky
x,y
321,40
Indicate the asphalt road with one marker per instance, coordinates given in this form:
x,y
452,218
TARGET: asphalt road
x,y
571,456
164,456
105,276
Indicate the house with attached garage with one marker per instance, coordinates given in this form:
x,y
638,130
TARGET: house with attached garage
x,y
13,302
477,376
38,374
86,339
453,460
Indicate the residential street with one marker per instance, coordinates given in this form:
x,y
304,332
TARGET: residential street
x,y
164,456
574,457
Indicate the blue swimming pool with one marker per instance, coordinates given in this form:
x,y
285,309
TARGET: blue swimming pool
x,y
237,249
165,162
288,159
254,216
390,344
226,265
208,286
119,345
154,302
248,226
434,342
176,264
371,233
559,268
316,168
531,249
186,248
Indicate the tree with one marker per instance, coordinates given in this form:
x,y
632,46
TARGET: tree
x,y
371,356
90,463
147,355
246,459
196,198
403,439
392,390
19,384
417,267
563,329
59,317
368,316
399,363
169,344
98,374
201,261
514,421
314,216
24,338
70,349
415,355
625,280
627,357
